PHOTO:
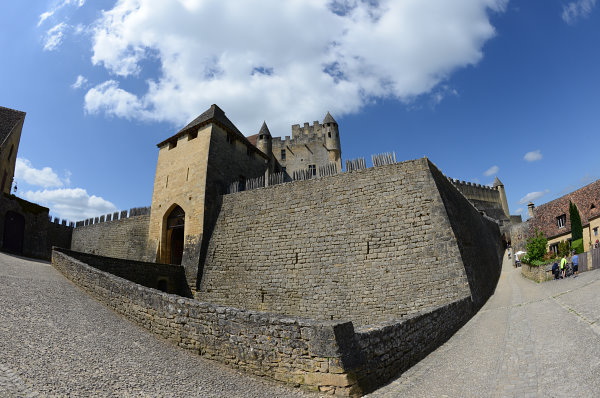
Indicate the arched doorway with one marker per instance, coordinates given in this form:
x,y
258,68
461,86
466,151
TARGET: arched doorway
x,y
175,228
14,232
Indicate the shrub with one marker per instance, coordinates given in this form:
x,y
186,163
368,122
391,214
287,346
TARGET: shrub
x,y
536,247
563,248
577,245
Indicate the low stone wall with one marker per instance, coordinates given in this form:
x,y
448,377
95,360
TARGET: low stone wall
x,y
392,348
169,278
539,274
328,356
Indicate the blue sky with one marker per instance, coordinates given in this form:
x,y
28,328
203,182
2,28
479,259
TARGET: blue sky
x,y
483,88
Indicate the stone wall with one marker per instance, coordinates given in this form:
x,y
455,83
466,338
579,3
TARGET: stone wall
x,y
478,240
328,356
539,274
368,246
35,217
166,277
126,238
58,235
318,355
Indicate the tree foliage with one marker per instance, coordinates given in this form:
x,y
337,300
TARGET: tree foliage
x,y
576,227
536,246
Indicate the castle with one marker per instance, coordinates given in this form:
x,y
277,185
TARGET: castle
x,y
291,267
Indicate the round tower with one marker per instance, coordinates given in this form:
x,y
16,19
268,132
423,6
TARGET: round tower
x,y
332,140
265,141
500,187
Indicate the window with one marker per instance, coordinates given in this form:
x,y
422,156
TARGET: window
x,y
561,220
592,206
248,151
312,169
283,154
284,170
554,248
192,135
329,134
173,144
229,139
595,231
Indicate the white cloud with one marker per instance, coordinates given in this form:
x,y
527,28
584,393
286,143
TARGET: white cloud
x,y
54,37
519,210
491,171
44,177
286,62
111,99
71,203
45,16
533,156
81,81
578,9
531,196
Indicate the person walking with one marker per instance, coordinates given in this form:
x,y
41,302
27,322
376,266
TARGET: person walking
x,y
563,266
575,261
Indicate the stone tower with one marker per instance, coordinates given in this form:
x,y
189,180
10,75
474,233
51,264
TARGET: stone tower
x,y
264,141
332,139
500,186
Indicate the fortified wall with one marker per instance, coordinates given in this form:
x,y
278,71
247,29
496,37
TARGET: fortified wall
x,y
393,258
121,235
367,246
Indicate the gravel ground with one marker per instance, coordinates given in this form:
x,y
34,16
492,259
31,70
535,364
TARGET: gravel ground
x,y
56,341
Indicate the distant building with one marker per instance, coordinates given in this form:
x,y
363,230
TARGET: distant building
x,y
553,218
25,227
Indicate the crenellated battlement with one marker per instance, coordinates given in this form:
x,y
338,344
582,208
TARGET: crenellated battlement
x,y
133,212
459,183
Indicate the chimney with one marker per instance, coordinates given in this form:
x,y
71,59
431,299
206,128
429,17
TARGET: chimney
x,y
530,207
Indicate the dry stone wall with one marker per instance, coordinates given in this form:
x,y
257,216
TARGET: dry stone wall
x,y
126,238
368,246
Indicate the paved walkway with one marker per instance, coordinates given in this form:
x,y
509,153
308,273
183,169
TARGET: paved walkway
x,y
56,341
529,340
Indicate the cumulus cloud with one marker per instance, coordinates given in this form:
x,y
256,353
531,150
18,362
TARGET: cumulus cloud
x,y
532,196
54,37
79,82
71,203
533,156
314,56
44,177
491,171
576,10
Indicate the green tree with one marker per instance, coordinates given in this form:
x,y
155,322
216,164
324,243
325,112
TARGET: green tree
x,y
536,246
563,248
576,227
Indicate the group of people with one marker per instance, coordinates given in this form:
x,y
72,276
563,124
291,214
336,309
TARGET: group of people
x,y
562,271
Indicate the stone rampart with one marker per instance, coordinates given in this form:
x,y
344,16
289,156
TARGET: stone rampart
x,y
369,246
126,238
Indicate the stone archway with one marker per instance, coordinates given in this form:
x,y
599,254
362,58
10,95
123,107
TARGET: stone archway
x,y
175,235
14,232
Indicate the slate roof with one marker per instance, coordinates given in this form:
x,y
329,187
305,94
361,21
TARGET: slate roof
x,y
497,182
329,119
264,129
8,119
252,139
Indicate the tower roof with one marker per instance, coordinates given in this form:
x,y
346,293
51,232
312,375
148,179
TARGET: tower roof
x,y
8,119
264,130
329,119
497,182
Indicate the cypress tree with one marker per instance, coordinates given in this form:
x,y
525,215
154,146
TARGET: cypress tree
x,y
576,227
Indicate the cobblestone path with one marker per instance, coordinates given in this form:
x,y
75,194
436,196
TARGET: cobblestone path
x,y
56,341
529,340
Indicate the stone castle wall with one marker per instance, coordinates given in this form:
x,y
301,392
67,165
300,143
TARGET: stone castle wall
x,y
367,246
126,238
